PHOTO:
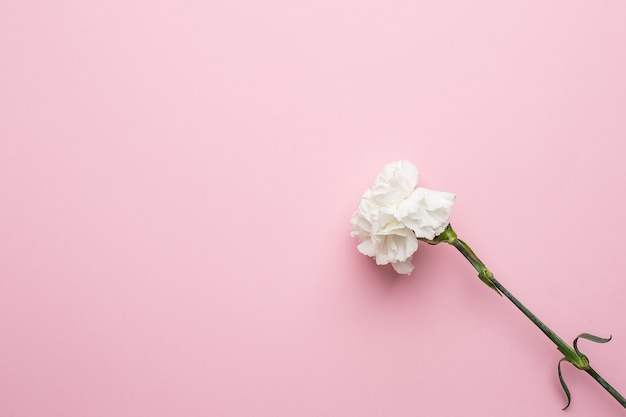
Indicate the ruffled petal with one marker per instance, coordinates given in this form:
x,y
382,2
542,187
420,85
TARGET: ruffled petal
x,y
405,267
361,221
426,212
394,183
396,243
367,247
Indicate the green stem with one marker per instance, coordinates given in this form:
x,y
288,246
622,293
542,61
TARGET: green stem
x,y
577,359
606,386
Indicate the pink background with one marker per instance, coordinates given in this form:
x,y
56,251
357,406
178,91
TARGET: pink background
x,y
177,178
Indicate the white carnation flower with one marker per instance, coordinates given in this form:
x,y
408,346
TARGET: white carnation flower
x,y
393,215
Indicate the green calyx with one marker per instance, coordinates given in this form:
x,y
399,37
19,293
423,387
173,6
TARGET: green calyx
x,y
449,236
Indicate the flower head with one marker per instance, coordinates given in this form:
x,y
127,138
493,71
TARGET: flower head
x,y
393,215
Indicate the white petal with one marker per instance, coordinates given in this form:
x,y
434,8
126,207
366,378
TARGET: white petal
x,y
426,212
395,182
361,221
396,243
405,267
367,247
436,200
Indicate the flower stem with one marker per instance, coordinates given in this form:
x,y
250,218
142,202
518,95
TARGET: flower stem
x,y
606,386
572,355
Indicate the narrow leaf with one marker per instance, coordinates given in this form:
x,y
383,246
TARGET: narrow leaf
x,y
563,384
589,337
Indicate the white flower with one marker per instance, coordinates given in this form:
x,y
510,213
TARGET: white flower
x,y
393,215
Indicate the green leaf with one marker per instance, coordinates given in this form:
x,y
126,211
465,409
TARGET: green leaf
x,y
589,337
563,384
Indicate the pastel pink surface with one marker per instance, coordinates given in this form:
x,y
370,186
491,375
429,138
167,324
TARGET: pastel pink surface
x,y
177,178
